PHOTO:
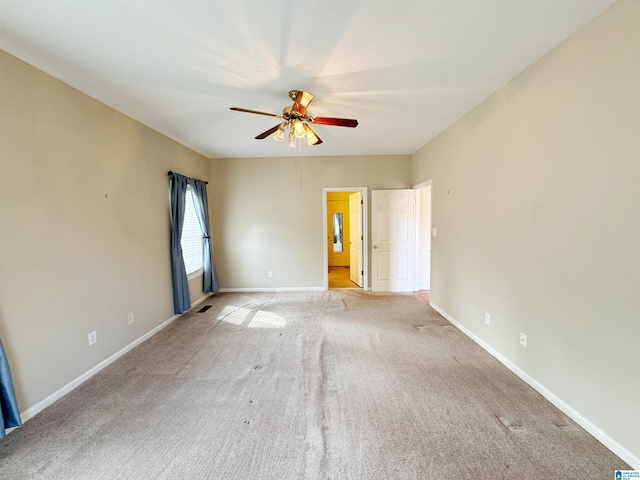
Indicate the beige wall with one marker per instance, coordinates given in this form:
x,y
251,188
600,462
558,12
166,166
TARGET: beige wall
x,y
84,230
267,213
537,205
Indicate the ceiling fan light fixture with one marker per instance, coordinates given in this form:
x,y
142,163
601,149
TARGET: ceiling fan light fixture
x,y
291,139
312,138
298,129
279,135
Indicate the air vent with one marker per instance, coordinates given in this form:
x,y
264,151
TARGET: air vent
x,y
204,309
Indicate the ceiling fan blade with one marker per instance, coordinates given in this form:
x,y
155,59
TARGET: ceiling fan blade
x,y
340,122
301,101
267,133
256,112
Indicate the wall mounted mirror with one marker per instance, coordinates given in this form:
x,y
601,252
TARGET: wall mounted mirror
x,y
337,232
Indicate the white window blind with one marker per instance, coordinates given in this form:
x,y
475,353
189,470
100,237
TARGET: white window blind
x,y
191,240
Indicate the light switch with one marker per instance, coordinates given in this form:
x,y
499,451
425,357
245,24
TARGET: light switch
x,y
434,232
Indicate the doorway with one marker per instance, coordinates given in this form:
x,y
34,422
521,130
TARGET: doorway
x,y
345,237
423,238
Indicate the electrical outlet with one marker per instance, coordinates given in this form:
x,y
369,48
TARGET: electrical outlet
x,y
523,340
487,318
93,338
270,274
130,318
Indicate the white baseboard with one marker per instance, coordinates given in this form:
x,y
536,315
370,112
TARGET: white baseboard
x,y
57,395
277,289
601,436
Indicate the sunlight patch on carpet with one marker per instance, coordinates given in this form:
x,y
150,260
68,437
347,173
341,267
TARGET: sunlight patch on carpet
x,y
233,315
264,319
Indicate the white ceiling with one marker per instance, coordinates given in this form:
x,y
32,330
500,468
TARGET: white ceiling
x,y
404,69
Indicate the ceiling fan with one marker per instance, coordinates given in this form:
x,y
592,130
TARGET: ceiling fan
x,y
296,119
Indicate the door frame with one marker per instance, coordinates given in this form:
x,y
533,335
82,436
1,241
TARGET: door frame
x,y
365,232
420,216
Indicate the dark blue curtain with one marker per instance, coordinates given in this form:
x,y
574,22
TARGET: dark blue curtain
x,y
201,206
181,300
10,412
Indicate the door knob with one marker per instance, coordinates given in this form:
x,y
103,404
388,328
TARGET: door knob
x,y
375,246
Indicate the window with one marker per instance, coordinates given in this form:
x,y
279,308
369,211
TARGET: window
x,y
191,240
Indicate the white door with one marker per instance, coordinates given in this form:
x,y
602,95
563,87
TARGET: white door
x,y
356,272
392,240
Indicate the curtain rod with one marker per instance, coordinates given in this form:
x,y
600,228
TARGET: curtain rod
x,y
170,173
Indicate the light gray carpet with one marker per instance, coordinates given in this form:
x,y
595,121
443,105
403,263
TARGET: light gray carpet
x,y
330,385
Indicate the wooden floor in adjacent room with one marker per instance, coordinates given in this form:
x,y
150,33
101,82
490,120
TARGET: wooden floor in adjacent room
x,y
339,278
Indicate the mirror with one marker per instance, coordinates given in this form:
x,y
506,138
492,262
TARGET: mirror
x,y
337,232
